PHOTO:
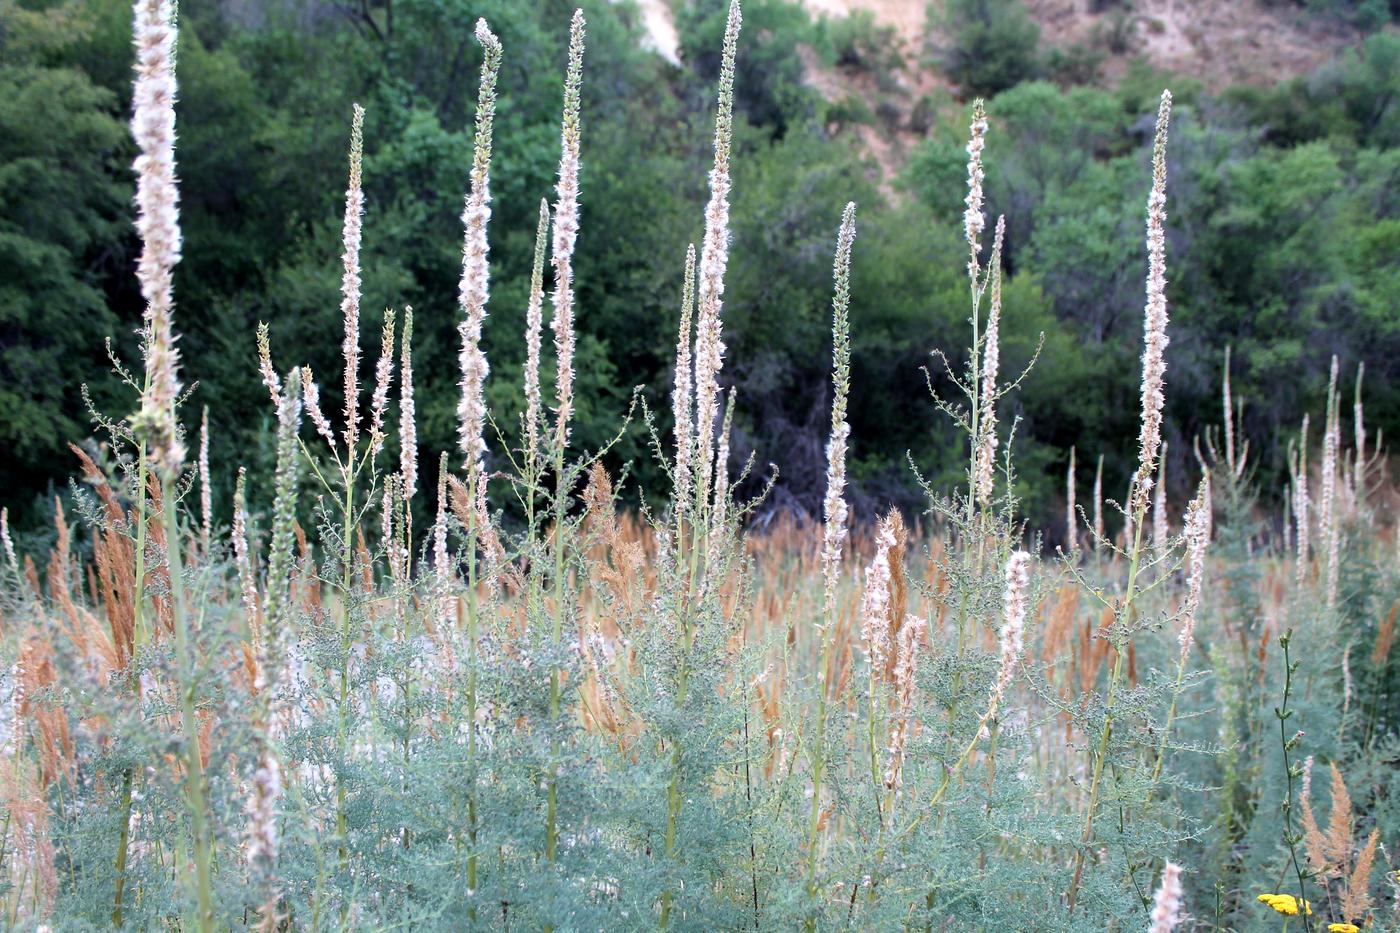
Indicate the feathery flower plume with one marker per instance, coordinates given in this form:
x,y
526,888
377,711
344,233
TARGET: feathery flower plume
x,y
1197,532
313,406
350,279
991,362
472,291
714,258
1301,502
383,374
206,497
721,490
158,223
242,559
682,397
440,558
269,375
974,222
1159,503
1358,466
284,506
1327,524
386,530
1154,360
911,634
1015,603
1098,501
408,428
835,504
875,603
1229,415
261,810
565,236
1071,520
1166,903
532,337
5,539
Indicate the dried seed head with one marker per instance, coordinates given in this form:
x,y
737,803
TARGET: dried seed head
x,y
313,406
383,374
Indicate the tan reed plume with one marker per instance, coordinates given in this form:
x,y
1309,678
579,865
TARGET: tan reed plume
x,y
683,395
158,223
1154,361
533,326
911,635
473,290
566,235
714,258
350,279
991,362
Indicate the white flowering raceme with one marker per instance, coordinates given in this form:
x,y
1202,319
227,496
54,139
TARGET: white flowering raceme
x,y
1154,360
473,288
566,235
1015,604
351,235
714,258
1166,903
158,224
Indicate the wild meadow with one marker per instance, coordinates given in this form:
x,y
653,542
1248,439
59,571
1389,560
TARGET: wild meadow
x,y
539,709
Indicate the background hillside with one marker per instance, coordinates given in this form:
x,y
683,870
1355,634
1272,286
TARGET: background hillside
x,y
1284,217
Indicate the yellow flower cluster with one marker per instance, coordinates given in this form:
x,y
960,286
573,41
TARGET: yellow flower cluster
x,y
1285,903
1343,928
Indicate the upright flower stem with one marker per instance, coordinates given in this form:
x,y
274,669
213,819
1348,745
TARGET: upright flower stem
x,y
194,765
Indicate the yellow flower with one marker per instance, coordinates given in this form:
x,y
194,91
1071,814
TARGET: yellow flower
x,y
1343,928
1285,903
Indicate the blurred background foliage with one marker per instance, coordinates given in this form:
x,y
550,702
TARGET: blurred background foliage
x,y
1284,233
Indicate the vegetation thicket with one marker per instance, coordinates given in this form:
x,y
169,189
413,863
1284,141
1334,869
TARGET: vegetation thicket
x,y
366,705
